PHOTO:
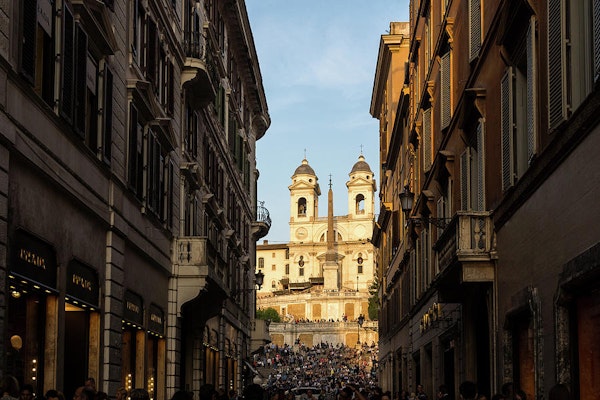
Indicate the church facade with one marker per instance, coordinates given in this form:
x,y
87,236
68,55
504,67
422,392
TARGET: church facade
x,y
319,281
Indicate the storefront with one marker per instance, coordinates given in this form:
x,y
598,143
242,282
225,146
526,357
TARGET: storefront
x,y
133,350
156,352
32,316
82,325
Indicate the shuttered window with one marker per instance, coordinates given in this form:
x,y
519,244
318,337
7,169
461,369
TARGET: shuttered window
x,y
531,91
68,67
107,113
28,33
465,178
573,55
445,106
427,140
557,107
80,86
474,28
507,128
152,53
480,168
472,172
519,112
135,153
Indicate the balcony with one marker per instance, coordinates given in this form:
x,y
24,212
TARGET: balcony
x,y
197,267
260,227
468,241
199,74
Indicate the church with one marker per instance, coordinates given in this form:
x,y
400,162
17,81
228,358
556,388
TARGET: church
x,y
319,282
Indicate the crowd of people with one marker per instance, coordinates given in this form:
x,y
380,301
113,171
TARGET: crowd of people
x,y
325,366
339,372
325,371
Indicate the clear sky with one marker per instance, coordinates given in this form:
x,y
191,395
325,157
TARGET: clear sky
x,y
317,60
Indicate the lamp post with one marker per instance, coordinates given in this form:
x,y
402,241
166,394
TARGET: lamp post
x,y
259,279
360,320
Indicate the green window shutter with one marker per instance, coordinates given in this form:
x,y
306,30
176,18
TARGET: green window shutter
x,y
28,47
132,158
480,165
507,122
465,180
445,106
427,139
107,115
531,91
474,28
68,67
81,54
596,33
556,63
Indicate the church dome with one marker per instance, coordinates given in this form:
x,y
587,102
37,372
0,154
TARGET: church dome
x,y
304,169
361,166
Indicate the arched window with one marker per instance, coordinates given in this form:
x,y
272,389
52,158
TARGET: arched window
x,y
359,262
360,204
301,207
301,266
273,285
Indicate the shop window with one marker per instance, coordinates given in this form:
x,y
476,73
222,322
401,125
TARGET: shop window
x,y
26,323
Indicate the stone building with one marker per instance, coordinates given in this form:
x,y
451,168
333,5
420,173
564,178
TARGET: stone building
x,y
319,281
488,242
128,212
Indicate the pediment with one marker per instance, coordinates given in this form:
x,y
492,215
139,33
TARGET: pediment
x,y
94,15
301,185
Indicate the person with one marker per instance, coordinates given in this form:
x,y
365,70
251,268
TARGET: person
x,y
26,392
254,392
308,395
520,395
468,390
559,392
101,396
139,394
121,394
443,392
421,393
182,395
10,388
90,383
207,392
53,395
508,391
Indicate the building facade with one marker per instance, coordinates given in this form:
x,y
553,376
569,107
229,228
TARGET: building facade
x,y
319,282
489,272
129,216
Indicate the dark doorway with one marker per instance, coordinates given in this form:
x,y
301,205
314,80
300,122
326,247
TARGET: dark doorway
x,y
76,349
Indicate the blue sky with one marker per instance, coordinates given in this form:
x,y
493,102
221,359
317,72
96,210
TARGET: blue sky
x,y
317,60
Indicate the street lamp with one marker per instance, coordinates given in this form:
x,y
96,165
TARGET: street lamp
x,y
259,278
360,320
407,200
